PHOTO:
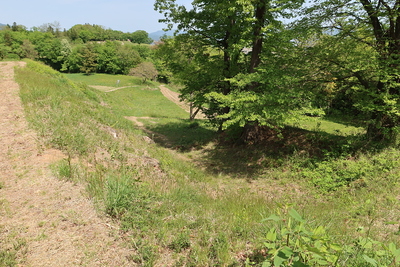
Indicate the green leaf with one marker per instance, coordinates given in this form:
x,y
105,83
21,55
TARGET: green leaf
x,y
370,260
300,264
273,217
271,236
391,223
295,215
319,230
287,251
279,259
395,251
336,247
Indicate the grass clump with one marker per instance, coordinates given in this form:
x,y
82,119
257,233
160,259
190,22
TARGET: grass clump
x,y
8,258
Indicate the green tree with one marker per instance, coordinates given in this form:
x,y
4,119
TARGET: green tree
x,y
49,50
145,71
140,37
65,52
108,58
128,58
218,32
73,62
89,59
28,50
376,24
4,51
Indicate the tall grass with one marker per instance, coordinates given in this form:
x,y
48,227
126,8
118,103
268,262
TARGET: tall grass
x,y
175,211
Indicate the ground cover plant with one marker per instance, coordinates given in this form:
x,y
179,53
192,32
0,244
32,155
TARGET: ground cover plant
x,y
217,203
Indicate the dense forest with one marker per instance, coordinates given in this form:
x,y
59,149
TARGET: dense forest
x,y
83,48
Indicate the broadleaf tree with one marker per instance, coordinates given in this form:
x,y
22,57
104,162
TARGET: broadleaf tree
x,y
375,25
213,61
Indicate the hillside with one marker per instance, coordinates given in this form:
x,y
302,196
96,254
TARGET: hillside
x,y
179,194
45,221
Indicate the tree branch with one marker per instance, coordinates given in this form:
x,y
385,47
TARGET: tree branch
x,y
374,20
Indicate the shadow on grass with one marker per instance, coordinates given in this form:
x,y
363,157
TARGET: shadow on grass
x,y
347,120
183,135
293,148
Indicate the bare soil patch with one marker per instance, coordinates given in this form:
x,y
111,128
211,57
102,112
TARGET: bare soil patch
x,y
108,89
174,97
136,121
52,220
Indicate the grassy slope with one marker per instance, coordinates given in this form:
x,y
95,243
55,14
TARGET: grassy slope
x,y
208,213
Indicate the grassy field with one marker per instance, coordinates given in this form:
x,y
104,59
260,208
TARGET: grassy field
x,y
320,195
104,79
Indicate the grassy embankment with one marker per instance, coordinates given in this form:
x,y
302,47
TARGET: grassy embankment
x,y
189,200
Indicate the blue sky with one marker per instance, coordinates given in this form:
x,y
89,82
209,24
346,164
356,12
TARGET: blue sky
x,y
122,15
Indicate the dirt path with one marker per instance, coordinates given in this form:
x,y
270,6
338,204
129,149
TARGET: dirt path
x,y
49,221
174,97
108,89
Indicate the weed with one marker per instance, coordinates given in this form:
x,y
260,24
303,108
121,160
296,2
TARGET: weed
x,y
120,194
146,256
296,242
64,169
219,250
181,242
8,258
12,251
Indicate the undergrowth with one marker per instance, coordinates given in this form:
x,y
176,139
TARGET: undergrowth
x,y
210,213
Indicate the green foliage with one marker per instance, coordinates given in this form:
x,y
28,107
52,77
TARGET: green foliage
x,y
230,85
128,58
331,175
75,51
107,58
140,37
362,58
89,60
296,242
4,51
145,71
88,32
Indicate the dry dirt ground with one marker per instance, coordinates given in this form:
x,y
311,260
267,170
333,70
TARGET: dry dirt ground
x,y
48,221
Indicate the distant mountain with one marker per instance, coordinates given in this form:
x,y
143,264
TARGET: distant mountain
x,y
156,36
2,25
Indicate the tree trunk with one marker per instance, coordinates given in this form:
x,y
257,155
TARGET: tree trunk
x,y
260,13
251,131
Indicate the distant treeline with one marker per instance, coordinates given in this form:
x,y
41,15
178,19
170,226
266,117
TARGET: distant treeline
x,y
83,48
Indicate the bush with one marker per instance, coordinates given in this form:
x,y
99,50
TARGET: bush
x,y
332,175
145,71
295,242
